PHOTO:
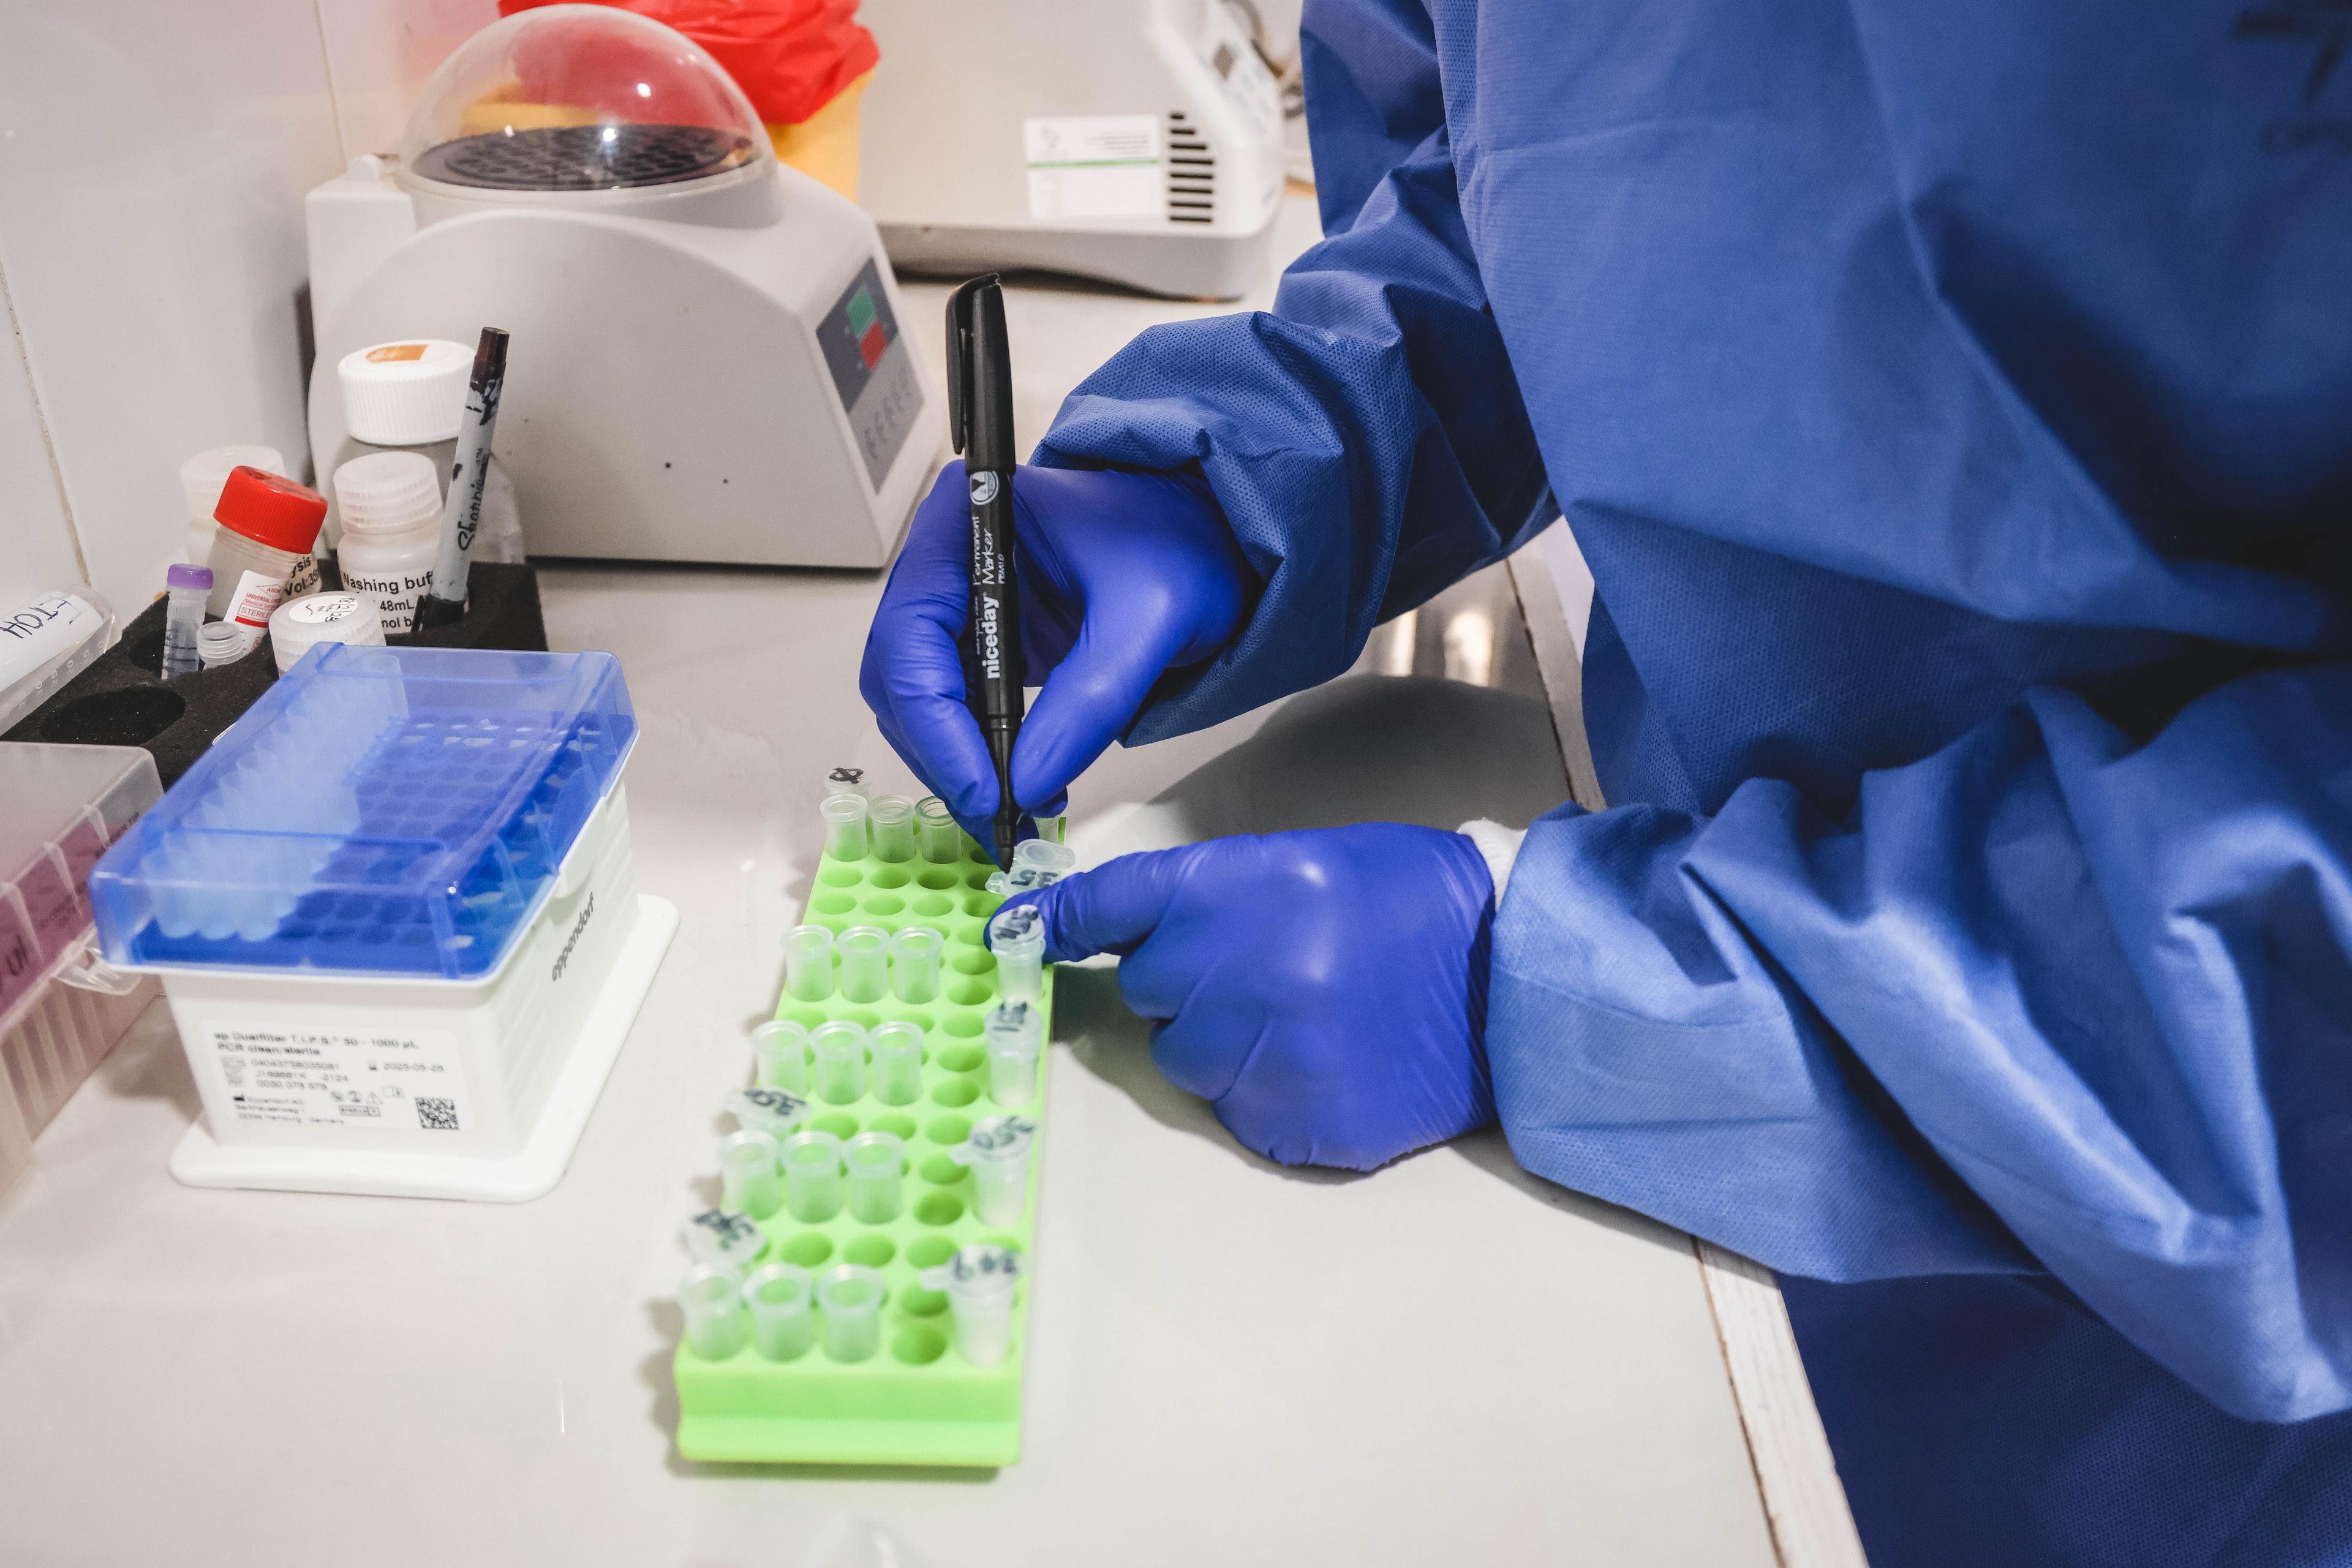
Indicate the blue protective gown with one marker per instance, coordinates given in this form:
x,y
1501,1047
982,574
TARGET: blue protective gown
x,y
1954,407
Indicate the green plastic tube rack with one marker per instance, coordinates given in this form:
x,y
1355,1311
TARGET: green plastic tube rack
x,y
916,1401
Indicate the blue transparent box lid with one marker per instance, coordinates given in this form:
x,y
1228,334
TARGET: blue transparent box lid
x,y
380,811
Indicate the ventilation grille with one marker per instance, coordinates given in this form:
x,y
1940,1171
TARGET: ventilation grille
x,y
1191,173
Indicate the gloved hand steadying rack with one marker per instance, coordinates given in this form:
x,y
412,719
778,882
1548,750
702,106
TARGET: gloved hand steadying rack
x,y
1123,576
1324,990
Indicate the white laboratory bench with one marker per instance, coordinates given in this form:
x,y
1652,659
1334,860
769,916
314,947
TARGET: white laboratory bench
x,y
1446,1362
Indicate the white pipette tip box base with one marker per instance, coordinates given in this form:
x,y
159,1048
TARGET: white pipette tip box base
x,y
202,1161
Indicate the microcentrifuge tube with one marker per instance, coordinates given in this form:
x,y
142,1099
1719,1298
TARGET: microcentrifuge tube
x,y
1052,829
850,1297
845,827
1053,862
1016,1038
877,1163
780,1052
781,1298
915,963
999,1150
808,963
865,954
839,1075
896,1074
846,781
747,1173
891,820
728,1239
712,1299
1017,937
980,1281
812,1162
936,833
774,1111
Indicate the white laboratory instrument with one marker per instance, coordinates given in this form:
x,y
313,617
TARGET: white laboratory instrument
x,y
708,359
1137,141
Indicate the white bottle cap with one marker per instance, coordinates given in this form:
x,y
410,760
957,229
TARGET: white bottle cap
x,y
297,623
202,476
384,492
407,393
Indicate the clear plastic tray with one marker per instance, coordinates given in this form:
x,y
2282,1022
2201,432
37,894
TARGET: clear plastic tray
x,y
380,811
64,806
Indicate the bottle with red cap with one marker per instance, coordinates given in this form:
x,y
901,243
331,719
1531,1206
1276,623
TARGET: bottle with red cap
x,y
267,526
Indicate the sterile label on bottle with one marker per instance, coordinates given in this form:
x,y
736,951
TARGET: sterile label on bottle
x,y
250,605
1095,165
411,1081
395,594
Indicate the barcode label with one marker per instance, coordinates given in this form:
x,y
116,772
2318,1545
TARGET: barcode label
x,y
317,1076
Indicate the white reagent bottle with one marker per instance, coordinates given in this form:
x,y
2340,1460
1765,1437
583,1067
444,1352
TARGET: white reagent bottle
x,y
390,506
410,395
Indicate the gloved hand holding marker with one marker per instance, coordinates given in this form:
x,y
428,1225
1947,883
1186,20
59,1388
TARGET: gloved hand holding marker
x,y
1115,579
1324,990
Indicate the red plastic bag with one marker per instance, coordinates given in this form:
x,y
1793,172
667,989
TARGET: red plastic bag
x,y
789,56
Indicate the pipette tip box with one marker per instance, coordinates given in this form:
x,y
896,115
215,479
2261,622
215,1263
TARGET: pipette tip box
x,y
916,1402
396,914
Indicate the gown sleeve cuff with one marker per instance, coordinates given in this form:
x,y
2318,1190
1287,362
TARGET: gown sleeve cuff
x,y
1498,845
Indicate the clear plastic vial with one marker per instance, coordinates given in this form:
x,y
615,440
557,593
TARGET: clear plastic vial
x,y
876,1166
712,1299
890,821
811,1176
808,963
937,836
780,1054
999,1150
896,1068
721,1236
846,781
851,1298
981,1282
1017,937
1049,861
747,1174
838,1076
915,963
220,643
184,617
782,1299
1015,1039
845,825
865,963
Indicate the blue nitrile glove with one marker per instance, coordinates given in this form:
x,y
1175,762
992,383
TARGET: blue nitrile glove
x,y
1326,991
1123,576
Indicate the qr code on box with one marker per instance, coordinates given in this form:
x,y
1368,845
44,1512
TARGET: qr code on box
x,y
437,1115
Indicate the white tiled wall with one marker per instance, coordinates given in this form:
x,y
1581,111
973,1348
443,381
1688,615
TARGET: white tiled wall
x,y
152,159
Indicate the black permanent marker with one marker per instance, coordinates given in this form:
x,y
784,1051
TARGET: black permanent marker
x,y
461,513
980,420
